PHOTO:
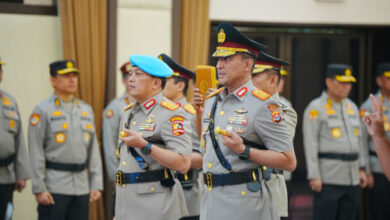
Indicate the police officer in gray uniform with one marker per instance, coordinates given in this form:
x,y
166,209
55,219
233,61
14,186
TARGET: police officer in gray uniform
x,y
333,147
242,127
266,76
155,140
14,165
176,90
379,186
111,118
64,152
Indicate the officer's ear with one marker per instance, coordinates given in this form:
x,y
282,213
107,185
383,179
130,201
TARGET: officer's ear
x,y
328,82
157,83
379,81
53,81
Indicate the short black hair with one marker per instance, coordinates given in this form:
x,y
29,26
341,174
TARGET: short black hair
x,y
182,79
163,82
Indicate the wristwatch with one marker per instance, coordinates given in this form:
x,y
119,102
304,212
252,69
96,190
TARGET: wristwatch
x,y
147,149
244,155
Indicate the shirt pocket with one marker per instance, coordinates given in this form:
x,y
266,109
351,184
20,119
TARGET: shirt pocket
x,y
356,127
88,129
59,130
11,121
335,128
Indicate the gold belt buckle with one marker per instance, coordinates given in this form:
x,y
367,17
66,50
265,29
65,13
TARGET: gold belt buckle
x,y
119,178
209,180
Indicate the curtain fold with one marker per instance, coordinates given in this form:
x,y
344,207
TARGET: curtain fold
x,y
84,37
195,34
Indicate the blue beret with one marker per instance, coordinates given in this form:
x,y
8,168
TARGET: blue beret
x,y
151,65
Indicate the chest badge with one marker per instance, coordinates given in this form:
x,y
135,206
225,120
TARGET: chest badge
x,y
241,111
336,132
238,120
60,137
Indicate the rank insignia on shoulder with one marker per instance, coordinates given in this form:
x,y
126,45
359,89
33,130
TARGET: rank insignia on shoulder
x,y
109,113
216,92
128,107
177,125
261,94
169,105
313,114
6,101
150,103
189,108
34,120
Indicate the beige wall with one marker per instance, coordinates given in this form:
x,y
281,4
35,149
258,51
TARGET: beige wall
x,y
363,12
28,43
144,27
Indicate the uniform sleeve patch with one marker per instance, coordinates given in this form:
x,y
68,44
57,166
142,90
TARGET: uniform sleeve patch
x,y
34,120
261,94
109,113
189,108
169,105
276,117
177,125
313,114
6,101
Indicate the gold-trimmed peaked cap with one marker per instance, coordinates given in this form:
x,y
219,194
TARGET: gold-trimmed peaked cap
x,y
178,70
340,72
62,67
383,69
231,41
265,61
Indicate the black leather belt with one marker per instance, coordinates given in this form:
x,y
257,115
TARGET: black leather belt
x,y
7,160
339,156
144,177
373,153
73,167
232,178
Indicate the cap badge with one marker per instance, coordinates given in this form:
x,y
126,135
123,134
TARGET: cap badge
x,y
348,72
128,67
69,65
221,36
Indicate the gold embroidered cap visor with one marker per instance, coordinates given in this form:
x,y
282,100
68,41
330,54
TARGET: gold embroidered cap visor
x,y
261,68
229,51
68,70
343,78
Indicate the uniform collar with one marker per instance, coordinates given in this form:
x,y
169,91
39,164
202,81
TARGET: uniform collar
x,y
182,101
125,97
241,93
148,105
58,102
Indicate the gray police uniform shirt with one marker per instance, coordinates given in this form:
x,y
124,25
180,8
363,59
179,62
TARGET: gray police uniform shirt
x,y
193,196
291,121
159,119
57,134
330,127
277,182
12,141
372,162
110,135
254,115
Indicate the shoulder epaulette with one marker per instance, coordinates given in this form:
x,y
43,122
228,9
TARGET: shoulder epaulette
x,y
189,108
129,107
261,94
169,105
216,92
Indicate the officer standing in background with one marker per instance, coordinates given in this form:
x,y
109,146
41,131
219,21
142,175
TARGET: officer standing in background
x,y
379,186
266,76
175,90
111,119
14,165
64,152
156,140
333,147
242,127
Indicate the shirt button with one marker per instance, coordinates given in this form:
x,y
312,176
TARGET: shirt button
x,y
124,163
134,123
243,193
221,113
152,189
210,165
